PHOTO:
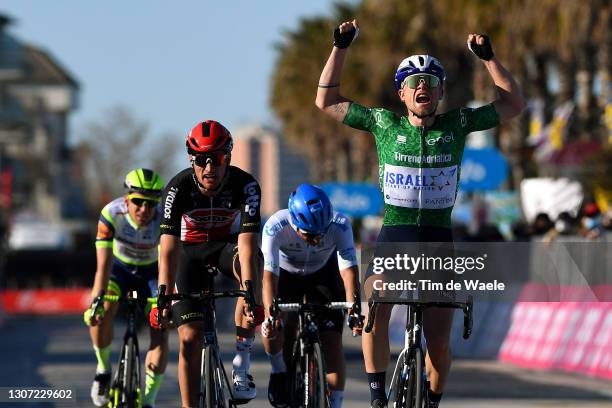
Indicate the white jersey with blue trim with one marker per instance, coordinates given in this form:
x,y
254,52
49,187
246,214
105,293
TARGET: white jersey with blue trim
x,y
283,248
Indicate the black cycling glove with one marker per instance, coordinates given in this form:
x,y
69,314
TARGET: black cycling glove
x,y
484,51
343,40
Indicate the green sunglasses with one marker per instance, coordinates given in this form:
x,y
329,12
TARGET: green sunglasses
x,y
413,81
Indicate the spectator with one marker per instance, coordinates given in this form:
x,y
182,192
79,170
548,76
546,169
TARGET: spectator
x,y
489,233
521,231
541,225
591,221
564,225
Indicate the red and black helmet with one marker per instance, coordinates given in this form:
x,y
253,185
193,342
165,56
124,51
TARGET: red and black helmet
x,y
207,137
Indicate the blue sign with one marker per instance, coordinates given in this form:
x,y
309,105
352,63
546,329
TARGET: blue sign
x,y
483,170
354,199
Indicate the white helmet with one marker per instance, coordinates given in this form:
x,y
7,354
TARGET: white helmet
x,y
418,64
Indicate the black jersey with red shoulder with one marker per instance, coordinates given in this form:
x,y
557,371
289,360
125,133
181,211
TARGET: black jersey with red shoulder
x,y
196,218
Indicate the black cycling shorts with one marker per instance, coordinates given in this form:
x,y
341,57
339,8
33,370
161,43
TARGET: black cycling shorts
x,y
125,278
193,274
322,286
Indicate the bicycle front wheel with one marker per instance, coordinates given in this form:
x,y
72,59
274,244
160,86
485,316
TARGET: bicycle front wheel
x,y
398,383
296,376
315,384
125,388
129,377
215,386
413,390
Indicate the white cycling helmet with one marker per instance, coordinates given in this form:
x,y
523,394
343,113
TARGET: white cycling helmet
x,y
418,64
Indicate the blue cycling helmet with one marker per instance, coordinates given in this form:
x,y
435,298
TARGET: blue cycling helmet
x,y
418,64
310,209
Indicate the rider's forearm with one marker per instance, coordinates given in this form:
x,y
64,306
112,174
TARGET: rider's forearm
x,y
270,282
168,261
509,92
328,90
350,277
247,256
104,257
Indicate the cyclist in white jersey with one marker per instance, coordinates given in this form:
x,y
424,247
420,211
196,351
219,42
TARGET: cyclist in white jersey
x,y
309,251
126,252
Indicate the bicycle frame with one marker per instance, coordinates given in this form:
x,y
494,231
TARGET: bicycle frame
x,y
210,344
210,340
413,340
307,338
121,386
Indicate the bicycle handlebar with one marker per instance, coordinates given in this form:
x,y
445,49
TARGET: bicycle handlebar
x,y
466,306
163,299
117,298
307,307
102,297
206,295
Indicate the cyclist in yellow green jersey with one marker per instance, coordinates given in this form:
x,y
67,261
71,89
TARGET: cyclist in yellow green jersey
x,y
126,251
419,165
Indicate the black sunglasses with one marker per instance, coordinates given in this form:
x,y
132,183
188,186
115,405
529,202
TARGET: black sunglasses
x,y
310,235
215,158
139,202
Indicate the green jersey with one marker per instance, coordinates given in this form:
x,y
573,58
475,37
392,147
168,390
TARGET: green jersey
x,y
419,167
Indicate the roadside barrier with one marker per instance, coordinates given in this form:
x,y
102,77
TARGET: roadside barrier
x,y
45,301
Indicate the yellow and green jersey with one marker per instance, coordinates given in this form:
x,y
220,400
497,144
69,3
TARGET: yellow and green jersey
x,y
419,167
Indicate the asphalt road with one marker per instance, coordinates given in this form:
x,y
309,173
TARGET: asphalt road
x,y
56,352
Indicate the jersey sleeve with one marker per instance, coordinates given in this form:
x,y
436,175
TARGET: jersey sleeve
x,y
360,117
481,118
171,210
270,246
106,229
250,218
345,245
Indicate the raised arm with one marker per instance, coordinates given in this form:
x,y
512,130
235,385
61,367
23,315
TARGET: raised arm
x,y
329,99
510,102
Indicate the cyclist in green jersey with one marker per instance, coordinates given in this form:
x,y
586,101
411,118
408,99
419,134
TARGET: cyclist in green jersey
x,y
419,166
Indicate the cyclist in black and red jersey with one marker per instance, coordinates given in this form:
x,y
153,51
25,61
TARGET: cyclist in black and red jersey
x,y
211,219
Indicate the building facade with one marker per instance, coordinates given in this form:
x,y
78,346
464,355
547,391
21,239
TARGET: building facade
x,y
37,96
279,170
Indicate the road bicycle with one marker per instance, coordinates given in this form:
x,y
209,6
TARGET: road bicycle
x,y
409,385
125,390
306,376
215,388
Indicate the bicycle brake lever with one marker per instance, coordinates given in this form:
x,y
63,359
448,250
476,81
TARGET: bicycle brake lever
x,y
371,315
250,298
96,303
162,302
468,318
